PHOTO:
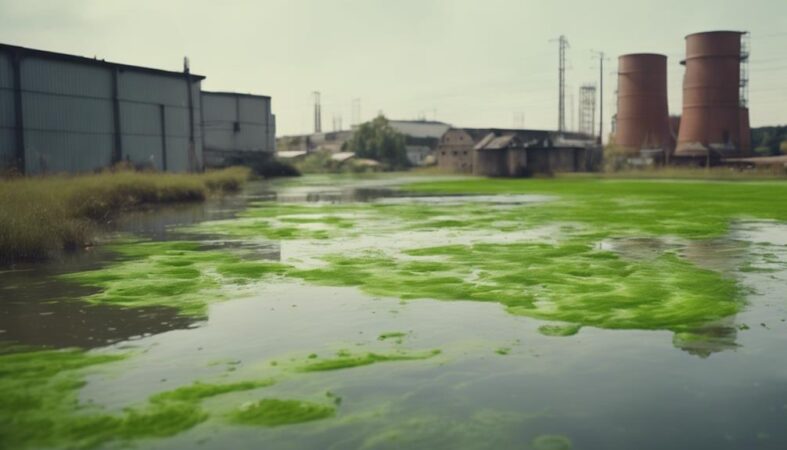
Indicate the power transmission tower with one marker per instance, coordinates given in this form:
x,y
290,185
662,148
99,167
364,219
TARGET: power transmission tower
x,y
356,112
601,59
587,109
561,104
317,113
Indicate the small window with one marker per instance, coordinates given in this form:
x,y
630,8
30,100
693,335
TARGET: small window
x,y
442,153
464,152
455,153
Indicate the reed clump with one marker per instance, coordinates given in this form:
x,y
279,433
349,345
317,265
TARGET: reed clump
x,y
40,216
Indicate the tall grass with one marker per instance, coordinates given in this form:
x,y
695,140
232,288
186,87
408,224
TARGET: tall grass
x,y
42,215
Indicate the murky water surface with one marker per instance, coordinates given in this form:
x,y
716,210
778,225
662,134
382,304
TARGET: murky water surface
x,y
497,382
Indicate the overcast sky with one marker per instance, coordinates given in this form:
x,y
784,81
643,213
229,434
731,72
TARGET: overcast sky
x,y
465,62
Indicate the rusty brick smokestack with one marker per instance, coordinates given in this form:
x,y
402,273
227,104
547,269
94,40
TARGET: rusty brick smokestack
x,y
643,116
714,122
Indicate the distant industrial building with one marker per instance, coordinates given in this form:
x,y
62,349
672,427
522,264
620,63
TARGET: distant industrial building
x,y
455,149
323,141
421,138
65,113
505,152
237,127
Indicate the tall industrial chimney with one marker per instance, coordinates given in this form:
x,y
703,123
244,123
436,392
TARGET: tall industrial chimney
x,y
714,122
643,116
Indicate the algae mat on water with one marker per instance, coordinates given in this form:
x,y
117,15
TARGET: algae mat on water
x,y
570,281
692,209
177,274
39,404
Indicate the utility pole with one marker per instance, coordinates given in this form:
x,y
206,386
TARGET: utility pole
x,y
317,112
561,104
601,59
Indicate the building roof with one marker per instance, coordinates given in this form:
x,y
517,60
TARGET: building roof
x,y
342,156
420,128
526,137
235,94
290,154
366,162
92,61
495,142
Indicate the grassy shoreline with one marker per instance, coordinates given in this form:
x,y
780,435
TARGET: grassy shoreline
x,y
44,215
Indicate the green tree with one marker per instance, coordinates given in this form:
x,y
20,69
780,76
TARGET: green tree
x,y
768,140
378,140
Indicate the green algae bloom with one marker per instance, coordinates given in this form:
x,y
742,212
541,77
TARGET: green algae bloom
x,y
174,274
568,281
39,406
503,351
559,330
551,442
200,391
571,282
271,412
625,207
391,335
346,360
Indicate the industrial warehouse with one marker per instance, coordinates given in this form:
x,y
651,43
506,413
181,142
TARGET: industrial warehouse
x,y
65,113
236,126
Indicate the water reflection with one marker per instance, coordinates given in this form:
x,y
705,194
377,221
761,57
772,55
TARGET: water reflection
x,y
709,339
37,309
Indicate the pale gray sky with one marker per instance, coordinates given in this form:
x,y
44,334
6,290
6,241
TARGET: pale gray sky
x,y
472,63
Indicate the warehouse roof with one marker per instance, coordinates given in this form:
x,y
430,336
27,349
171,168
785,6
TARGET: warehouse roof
x,y
236,94
92,61
420,128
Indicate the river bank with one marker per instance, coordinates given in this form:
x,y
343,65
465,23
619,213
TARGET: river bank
x,y
43,215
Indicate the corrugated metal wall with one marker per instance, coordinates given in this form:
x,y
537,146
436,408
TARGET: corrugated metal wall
x,y
141,97
69,121
67,115
256,127
272,133
7,113
218,118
